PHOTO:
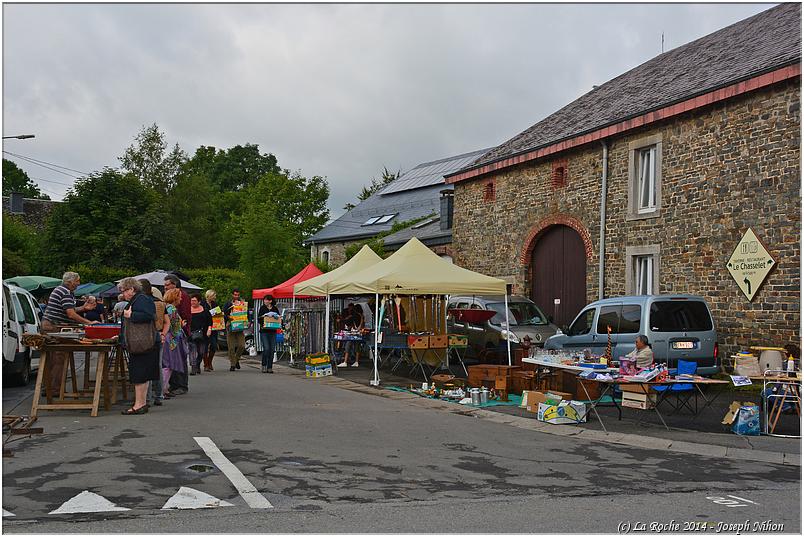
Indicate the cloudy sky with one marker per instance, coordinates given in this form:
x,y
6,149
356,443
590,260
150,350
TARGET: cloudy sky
x,y
332,90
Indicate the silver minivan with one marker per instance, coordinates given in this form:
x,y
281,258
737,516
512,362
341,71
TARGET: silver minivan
x,y
678,327
20,316
489,338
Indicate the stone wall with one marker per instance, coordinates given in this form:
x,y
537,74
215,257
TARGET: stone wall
x,y
725,168
35,212
337,252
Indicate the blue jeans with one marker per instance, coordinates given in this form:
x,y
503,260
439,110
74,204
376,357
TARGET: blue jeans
x,y
268,340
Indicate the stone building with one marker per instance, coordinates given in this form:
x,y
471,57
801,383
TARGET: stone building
x,y
32,212
418,194
677,158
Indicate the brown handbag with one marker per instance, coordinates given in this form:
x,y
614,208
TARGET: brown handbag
x,y
140,337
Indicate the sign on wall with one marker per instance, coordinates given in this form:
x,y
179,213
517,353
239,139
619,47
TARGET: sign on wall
x,y
750,264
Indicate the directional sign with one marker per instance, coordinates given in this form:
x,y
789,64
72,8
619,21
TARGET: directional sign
x,y
750,264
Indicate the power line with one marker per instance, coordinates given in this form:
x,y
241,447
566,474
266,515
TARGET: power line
x,y
49,181
45,162
26,159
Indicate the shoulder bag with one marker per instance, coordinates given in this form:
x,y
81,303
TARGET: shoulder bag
x,y
140,337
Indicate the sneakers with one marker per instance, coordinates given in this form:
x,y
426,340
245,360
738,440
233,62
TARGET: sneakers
x,y
354,364
343,364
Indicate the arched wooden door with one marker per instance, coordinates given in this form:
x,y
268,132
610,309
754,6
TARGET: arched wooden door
x,y
558,273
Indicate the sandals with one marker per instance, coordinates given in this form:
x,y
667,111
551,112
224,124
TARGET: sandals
x,y
131,411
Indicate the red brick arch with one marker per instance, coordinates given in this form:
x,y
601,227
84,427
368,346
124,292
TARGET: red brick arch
x,y
553,220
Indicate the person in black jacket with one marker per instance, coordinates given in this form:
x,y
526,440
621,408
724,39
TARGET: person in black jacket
x,y
267,335
200,331
142,367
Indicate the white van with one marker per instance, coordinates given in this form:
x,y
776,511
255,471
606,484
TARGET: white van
x,y
20,316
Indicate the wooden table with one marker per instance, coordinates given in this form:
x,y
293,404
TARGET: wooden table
x,y
110,359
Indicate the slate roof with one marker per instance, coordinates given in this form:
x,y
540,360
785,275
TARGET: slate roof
x,y
418,196
765,42
430,234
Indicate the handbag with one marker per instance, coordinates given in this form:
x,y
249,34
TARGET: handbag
x,y
197,335
140,337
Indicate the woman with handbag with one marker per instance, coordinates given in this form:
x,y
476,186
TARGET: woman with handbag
x,y
200,330
138,334
174,341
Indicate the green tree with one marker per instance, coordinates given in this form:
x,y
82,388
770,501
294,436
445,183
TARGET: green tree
x,y
16,180
20,247
106,219
386,178
149,161
222,280
233,169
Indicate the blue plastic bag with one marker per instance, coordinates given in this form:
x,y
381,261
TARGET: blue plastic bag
x,y
747,421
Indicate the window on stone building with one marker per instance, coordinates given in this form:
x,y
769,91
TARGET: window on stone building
x,y
488,191
644,177
325,257
642,270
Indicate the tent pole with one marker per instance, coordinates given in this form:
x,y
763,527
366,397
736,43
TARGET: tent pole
x,y
507,328
376,381
326,327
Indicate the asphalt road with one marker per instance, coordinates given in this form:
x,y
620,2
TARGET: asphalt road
x,y
334,460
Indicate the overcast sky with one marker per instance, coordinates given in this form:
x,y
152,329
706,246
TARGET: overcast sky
x,y
332,90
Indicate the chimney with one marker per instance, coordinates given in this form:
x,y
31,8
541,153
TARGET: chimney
x,y
15,203
447,203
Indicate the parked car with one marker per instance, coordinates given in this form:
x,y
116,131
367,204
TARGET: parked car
x,y
678,327
489,338
20,316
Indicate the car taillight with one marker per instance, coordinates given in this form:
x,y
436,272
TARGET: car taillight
x,y
716,352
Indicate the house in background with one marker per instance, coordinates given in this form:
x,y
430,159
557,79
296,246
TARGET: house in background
x,y
416,194
32,212
648,183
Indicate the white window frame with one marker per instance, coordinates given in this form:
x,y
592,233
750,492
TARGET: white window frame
x,y
645,170
637,260
385,218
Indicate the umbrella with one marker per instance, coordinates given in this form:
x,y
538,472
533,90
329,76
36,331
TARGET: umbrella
x,y
95,288
157,277
37,285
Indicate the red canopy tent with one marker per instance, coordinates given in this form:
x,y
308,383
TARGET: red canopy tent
x,y
285,289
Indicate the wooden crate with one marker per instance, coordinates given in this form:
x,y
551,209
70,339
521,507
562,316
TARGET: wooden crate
x,y
418,342
459,341
438,342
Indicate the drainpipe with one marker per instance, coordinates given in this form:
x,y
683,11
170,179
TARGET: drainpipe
x,y
602,238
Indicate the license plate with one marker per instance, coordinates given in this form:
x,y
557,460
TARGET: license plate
x,y
683,345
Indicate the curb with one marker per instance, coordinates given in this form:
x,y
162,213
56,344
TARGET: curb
x,y
630,440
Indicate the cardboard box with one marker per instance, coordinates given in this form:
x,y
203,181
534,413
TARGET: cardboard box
x,y
564,413
636,387
456,340
531,399
271,322
317,372
438,342
419,342
640,401
317,359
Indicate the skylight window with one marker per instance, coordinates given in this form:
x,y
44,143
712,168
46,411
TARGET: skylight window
x,y
372,220
385,219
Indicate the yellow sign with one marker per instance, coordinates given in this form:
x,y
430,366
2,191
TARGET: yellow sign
x,y
750,264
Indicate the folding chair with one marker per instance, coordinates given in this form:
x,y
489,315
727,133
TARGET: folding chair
x,y
682,392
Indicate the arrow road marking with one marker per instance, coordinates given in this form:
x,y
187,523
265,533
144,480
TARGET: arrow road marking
x,y
741,499
87,502
6,513
187,498
247,491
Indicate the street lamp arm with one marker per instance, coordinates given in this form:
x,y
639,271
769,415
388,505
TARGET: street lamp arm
x,y
20,136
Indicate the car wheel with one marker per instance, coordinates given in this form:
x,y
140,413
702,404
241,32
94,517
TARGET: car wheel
x,y
22,376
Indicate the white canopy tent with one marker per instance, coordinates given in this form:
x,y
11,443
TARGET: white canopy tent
x,y
320,285
415,270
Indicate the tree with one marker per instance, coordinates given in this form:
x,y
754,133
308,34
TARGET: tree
x,y
106,219
16,180
386,178
148,160
233,169
20,247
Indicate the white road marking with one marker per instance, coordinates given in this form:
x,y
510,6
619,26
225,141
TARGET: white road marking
x,y
247,491
87,502
6,513
187,498
741,499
